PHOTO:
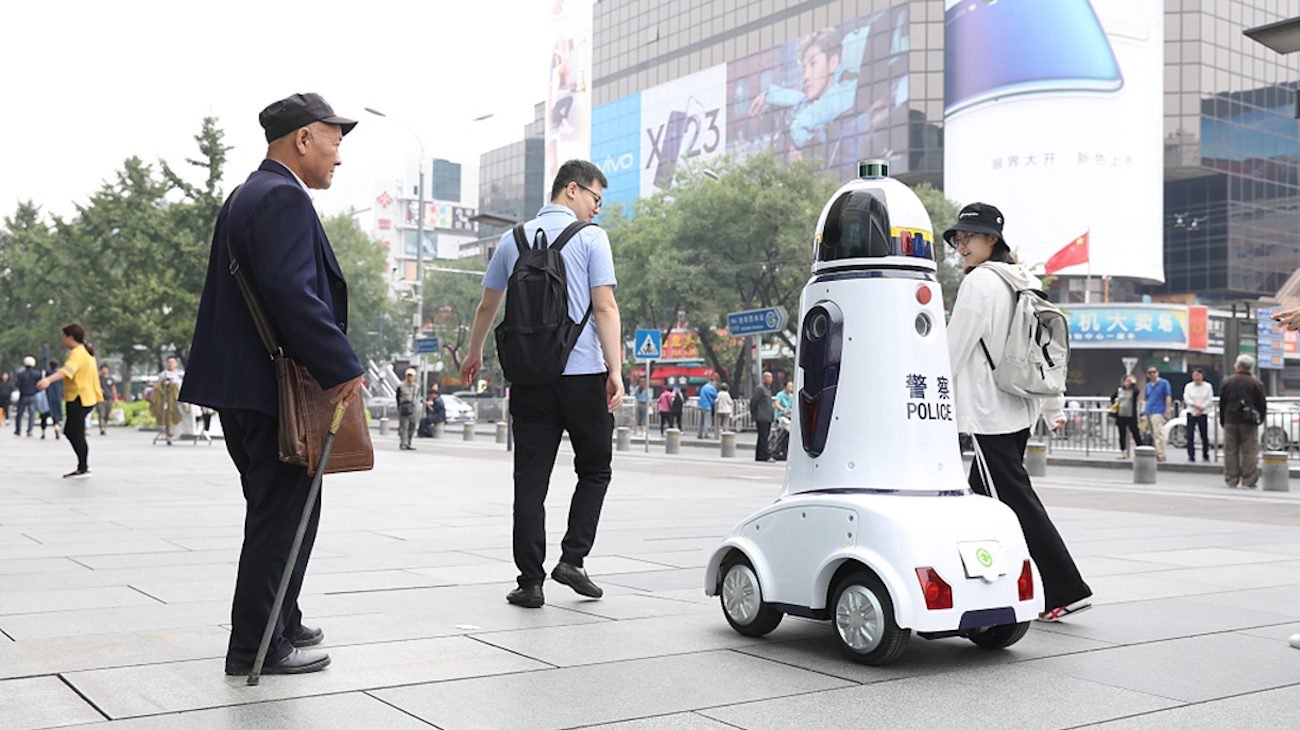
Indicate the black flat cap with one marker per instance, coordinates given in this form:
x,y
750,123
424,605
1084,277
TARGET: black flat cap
x,y
284,116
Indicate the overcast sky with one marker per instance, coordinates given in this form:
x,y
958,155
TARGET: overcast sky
x,y
86,84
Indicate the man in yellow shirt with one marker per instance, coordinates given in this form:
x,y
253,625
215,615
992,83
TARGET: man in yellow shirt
x,y
81,392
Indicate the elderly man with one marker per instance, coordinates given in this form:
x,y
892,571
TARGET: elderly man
x,y
1242,407
276,236
408,394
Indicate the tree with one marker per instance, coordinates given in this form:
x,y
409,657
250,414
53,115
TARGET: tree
x,y
450,301
943,214
376,324
32,285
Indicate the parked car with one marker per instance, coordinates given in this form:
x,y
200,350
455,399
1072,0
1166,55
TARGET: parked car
x,y
458,411
487,406
1280,431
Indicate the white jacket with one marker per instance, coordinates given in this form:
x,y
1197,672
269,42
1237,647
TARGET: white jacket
x,y
983,310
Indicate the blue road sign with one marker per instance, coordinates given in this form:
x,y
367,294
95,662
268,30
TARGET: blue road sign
x,y
757,321
427,345
647,345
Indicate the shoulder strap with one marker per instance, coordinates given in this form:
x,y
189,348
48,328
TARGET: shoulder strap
x,y
569,232
521,239
263,325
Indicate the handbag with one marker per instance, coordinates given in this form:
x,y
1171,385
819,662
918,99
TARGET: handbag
x,y
305,409
41,402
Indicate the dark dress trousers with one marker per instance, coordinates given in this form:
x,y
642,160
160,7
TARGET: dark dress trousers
x,y
278,239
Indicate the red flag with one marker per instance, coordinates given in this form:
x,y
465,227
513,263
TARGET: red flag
x,y
1074,253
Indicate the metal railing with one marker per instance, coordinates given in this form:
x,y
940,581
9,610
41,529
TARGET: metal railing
x,y
1089,428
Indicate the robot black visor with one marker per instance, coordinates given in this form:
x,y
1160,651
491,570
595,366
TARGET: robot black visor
x,y
858,227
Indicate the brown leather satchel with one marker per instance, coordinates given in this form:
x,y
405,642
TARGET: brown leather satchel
x,y
305,409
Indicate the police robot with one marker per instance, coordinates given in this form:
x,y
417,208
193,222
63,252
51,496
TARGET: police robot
x,y
876,529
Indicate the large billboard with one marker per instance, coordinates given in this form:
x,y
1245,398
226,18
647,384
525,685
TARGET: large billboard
x,y
568,95
834,96
1053,113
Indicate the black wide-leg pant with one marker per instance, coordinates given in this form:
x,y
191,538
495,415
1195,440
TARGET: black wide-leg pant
x,y
274,495
1004,454
574,403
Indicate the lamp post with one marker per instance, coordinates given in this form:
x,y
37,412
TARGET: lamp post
x,y
419,244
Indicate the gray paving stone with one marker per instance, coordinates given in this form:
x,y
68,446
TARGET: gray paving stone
x,y
1214,666
1256,710
86,622
676,721
174,557
660,580
41,702
991,697
52,656
1143,587
1169,618
1210,557
194,685
331,712
609,692
39,565
1265,575
633,639
71,599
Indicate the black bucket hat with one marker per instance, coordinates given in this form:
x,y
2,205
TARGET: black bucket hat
x,y
978,218
284,116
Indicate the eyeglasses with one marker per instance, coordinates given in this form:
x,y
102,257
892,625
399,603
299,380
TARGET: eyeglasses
x,y
963,237
594,195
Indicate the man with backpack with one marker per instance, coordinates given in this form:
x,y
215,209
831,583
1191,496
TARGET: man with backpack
x,y
1242,407
1009,349
560,346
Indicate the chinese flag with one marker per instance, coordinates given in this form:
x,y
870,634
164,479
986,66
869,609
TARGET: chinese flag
x,y
1074,253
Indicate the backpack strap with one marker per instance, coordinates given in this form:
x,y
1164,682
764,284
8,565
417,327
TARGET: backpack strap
x,y
521,238
569,232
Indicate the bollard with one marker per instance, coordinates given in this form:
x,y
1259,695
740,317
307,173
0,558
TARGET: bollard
x,y
1036,459
468,431
1144,465
502,429
673,441
1276,476
624,438
438,430
728,444
383,427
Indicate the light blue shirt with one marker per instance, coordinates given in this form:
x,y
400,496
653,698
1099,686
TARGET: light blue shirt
x,y
588,263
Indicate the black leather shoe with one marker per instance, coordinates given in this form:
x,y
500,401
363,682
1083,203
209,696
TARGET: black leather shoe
x,y
297,661
576,578
527,597
306,637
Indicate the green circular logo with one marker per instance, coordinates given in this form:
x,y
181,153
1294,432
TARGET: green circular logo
x,y
984,557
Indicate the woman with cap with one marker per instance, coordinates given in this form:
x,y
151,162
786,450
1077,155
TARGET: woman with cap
x,y
998,421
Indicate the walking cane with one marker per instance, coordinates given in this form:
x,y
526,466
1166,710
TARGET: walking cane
x,y
280,592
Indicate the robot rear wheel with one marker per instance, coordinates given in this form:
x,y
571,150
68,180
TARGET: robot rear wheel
x,y
864,621
742,600
999,637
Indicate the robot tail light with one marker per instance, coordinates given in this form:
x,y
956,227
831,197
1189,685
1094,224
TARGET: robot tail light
x,y
1025,584
937,592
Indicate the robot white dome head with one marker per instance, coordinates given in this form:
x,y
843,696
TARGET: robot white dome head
x,y
873,222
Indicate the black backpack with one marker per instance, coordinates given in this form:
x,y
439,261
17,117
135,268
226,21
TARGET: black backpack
x,y
537,335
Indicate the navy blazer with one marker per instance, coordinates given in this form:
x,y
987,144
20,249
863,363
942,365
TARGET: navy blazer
x,y
279,241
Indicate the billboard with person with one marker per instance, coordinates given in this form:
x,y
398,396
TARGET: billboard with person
x,y
568,93
1053,112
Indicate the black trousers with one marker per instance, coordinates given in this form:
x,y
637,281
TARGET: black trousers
x,y
1198,423
75,430
1127,425
761,452
576,404
274,495
1005,456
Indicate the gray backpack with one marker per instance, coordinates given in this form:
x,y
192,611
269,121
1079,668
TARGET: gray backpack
x,y
1035,359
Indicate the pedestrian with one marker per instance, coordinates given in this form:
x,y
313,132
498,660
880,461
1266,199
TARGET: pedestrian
x,y
166,396
53,401
1242,407
705,402
641,399
724,405
408,392
77,384
276,236
580,401
1157,405
1197,397
435,412
1125,403
7,390
679,406
665,404
761,412
108,386
785,401
25,381
998,421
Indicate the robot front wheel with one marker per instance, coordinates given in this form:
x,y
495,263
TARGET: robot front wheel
x,y
864,620
742,599
999,637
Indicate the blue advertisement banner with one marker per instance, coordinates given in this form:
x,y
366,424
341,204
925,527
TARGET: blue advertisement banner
x,y
1127,326
616,148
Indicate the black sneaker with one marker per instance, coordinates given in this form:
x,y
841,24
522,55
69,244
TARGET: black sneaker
x,y
576,578
527,597
77,474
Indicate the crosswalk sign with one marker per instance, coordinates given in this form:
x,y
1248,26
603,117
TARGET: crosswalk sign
x,y
647,345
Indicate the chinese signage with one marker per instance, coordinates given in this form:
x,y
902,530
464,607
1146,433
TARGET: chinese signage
x,y
1271,347
918,408
1129,326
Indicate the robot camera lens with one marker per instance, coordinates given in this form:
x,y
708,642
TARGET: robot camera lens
x,y
923,324
817,325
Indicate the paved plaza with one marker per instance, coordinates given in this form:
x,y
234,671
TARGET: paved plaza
x,y
114,604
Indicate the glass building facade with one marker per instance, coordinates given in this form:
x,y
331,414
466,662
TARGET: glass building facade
x,y
511,183
445,181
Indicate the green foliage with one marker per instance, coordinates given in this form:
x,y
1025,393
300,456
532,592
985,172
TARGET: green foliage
x,y
376,324
136,414
943,214
450,301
